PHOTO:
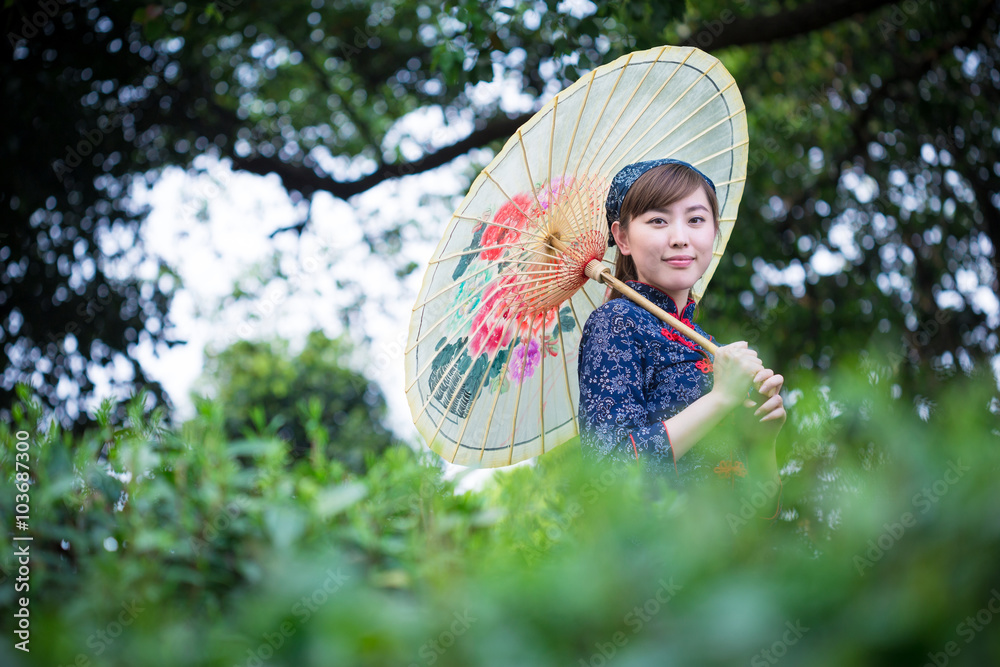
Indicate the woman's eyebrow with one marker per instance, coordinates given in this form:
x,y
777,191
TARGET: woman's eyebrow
x,y
696,207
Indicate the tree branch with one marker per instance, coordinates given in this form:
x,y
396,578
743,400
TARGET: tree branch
x,y
307,181
783,25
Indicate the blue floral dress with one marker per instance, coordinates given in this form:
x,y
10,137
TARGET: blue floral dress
x,y
635,373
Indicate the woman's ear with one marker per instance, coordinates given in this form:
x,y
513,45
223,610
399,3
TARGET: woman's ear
x,y
621,238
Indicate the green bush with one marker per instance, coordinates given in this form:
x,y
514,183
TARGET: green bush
x,y
160,546
312,399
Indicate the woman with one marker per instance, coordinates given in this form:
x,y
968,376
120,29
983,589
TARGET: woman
x,y
647,392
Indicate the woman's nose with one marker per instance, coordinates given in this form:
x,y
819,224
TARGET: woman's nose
x,y
678,237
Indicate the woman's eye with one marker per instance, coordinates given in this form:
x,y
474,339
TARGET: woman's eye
x,y
697,220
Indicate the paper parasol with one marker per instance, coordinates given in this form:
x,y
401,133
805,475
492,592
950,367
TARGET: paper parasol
x,y
491,372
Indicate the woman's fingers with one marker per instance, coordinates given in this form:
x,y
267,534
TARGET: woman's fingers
x,y
772,384
772,408
775,416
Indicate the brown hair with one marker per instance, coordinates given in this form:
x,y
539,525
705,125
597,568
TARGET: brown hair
x,y
656,189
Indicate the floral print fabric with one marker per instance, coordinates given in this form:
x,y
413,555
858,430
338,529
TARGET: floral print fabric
x,y
635,374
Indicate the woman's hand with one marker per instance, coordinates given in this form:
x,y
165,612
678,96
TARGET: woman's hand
x,y
772,410
735,368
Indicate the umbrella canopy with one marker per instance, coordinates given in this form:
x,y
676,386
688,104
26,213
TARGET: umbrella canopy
x,y
491,375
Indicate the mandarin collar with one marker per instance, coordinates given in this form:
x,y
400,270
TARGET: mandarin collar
x,y
663,300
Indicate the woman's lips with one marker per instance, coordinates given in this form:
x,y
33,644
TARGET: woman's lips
x,y
681,261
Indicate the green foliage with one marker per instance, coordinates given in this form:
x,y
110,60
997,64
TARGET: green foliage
x,y
872,140
177,546
312,400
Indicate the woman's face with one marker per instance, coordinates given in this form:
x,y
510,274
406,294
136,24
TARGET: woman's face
x,y
671,247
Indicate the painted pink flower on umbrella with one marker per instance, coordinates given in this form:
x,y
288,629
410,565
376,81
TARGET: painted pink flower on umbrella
x,y
516,215
511,218
491,325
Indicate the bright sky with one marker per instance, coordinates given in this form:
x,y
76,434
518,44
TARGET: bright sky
x,y
211,255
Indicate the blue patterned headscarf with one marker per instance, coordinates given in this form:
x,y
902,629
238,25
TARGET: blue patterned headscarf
x,y
628,175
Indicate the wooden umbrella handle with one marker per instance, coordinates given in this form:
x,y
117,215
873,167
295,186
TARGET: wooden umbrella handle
x,y
602,274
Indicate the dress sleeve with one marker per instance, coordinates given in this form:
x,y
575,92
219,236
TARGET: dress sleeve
x,y
614,419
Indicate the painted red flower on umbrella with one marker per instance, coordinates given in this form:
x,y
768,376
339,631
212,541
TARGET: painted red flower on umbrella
x,y
508,223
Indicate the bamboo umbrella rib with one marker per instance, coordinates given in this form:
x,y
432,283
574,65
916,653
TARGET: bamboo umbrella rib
x,y
574,216
579,217
541,387
517,404
458,283
496,397
473,251
638,116
625,105
536,286
676,125
458,388
444,318
621,73
527,170
576,125
479,290
700,135
722,184
527,167
569,392
461,328
479,388
552,138
572,309
575,225
593,306
504,193
728,148
528,229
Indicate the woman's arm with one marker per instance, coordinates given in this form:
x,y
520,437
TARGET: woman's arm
x,y
735,368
